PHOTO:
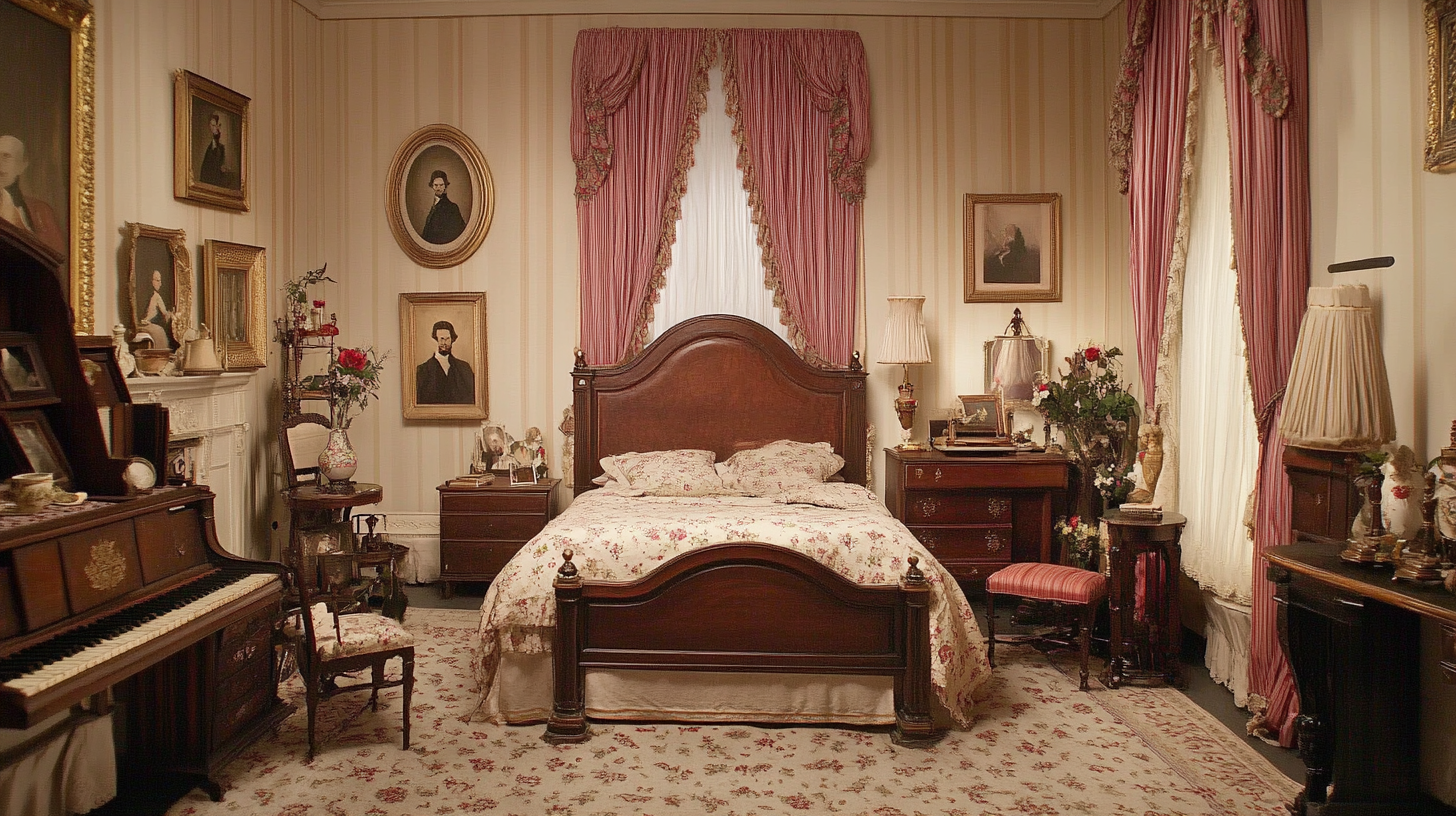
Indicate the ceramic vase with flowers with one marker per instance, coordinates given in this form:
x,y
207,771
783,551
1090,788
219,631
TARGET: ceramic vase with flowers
x,y
352,380
1096,415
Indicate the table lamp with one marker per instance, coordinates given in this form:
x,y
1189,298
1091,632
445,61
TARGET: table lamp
x,y
1338,396
905,344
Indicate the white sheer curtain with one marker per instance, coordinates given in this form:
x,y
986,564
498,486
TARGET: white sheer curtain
x,y
1217,439
716,266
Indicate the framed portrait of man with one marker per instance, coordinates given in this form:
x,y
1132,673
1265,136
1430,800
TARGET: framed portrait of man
x,y
444,365
159,278
439,197
47,123
210,143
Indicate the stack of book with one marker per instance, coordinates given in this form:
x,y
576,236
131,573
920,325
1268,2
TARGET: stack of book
x,y
471,480
1141,511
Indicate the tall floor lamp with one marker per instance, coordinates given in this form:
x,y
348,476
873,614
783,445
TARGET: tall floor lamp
x,y
1338,397
905,344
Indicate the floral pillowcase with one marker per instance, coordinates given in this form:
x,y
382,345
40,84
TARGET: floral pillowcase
x,y
780,467
663,473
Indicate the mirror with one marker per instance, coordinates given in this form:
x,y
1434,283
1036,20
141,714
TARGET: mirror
x,y
1012,360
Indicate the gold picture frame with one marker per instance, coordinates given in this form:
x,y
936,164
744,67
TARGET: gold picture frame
x,y
236,290
1441,82
439,227
1013,247
982,415
51,102
162,256
209,143
428,391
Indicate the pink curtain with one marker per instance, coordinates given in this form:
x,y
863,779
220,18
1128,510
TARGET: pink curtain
x,y
800,103
1155,168
635,98
1269,136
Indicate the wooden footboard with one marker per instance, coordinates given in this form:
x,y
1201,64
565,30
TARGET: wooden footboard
x,y
744,607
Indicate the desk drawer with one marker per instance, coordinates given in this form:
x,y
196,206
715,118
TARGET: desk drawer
x,y
460,559
988,472
939,507
490,526
982,543
494,501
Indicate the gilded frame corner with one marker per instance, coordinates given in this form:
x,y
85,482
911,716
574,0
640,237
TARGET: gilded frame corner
x,y
238,316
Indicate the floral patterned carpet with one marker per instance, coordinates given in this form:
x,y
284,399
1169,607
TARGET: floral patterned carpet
x,y
1039,747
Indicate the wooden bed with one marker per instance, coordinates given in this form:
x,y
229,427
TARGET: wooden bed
x,y
725,384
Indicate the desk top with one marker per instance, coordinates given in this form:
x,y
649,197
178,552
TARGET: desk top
x,y
1322,562
1168,519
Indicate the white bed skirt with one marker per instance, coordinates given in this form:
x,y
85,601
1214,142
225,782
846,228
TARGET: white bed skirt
x,y
523,687
1228,632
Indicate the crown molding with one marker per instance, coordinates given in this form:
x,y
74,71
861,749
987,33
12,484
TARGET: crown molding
x,y
385,9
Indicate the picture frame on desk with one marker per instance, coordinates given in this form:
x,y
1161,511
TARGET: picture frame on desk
x,y
23,376
33,445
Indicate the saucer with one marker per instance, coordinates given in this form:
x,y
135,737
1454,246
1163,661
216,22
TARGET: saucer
x,y
65,499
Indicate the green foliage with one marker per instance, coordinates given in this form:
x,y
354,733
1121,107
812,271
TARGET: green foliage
x,y
295,291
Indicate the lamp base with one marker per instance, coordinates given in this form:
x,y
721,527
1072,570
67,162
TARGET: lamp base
x,y
1371,550
1422,567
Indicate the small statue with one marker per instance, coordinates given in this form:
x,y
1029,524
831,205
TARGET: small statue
x,y
1150,458
568,446
124,359
536,447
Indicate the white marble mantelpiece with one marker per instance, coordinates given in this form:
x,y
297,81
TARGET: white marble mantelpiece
x,y
212,409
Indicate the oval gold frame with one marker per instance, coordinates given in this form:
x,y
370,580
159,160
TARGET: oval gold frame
x,y
476,227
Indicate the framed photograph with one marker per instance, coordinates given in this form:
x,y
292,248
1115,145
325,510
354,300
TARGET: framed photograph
x,y
183,456
984,416
1441,85
209,143
159,278
34,445
1013,247
47,142
493,447
442,335
523,475
330,538
439,197
236,286
1011,365
22,372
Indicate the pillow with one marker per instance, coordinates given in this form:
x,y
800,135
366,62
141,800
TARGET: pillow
x,y
664,473
780,467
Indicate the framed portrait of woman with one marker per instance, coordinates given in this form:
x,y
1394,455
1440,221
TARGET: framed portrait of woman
x,y
159,278
210,143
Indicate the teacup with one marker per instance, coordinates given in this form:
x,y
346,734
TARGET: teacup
x,y
31,492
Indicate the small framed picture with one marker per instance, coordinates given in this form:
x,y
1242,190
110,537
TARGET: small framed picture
x,y
159,279
444,365
1441,85
236,278
1013,247
182,460
22,372
34,446
210,143
523,475
439,197
983,416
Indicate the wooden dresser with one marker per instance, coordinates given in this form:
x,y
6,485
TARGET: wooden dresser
x,y
977,514
482,527
1324,499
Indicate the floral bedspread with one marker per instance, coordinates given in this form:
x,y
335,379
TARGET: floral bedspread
x,y
622,538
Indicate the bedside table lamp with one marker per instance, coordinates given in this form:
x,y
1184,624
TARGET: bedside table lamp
x,y
1338,397
905,344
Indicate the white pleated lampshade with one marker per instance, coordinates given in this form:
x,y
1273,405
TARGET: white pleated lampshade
x,y
905,342
1338,397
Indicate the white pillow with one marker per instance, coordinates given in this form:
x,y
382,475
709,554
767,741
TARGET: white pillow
x,y
664,473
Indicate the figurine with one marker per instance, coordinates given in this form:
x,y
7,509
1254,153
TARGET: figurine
x,y
124,359
536,448
1149,459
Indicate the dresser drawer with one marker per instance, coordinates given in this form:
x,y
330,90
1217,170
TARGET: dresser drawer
x,y
973,572
460,559
490,526
494,501
983,543
250,627
938,507
989,472
240,654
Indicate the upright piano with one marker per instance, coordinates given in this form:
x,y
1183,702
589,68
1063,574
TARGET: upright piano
x,y
127,597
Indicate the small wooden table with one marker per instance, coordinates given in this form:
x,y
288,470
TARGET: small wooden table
x,y
1144,651
482,527
313,507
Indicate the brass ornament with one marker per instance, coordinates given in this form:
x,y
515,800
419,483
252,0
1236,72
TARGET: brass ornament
x,y
106,567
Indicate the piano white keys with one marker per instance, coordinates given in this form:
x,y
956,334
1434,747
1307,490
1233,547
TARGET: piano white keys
x,y
28,685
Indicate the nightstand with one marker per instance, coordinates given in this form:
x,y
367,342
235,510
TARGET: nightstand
x,y
977,513
482,527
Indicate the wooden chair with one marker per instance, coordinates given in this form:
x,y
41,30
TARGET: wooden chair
x,y
331,644
1056,584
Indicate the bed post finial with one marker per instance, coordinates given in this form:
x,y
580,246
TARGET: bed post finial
x,y
566,573
913,575
854,363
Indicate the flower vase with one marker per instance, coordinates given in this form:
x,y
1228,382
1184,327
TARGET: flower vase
x,y
337,461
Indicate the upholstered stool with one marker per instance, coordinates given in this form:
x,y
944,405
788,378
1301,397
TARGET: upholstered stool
x,y
1066,586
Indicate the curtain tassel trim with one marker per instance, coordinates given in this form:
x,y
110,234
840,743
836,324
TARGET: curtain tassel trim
x,y
1125,95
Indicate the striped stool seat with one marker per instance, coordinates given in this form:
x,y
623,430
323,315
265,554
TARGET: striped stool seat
x,y
1054,583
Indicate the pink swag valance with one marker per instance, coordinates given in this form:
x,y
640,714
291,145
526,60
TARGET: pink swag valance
x,y
799,100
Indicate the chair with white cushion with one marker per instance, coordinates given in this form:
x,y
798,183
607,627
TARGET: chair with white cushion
x,y
332,644
1052,583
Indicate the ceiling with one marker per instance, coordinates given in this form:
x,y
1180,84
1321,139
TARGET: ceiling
x,y
1054,9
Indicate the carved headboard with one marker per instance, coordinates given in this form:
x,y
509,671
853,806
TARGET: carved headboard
x,y
717,383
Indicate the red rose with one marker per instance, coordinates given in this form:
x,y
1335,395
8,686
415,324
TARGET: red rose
x,y
318,304
352,359
1400,491
1092,353
1073,521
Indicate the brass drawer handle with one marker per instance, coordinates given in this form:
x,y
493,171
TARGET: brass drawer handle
x,y
994,542
928,507
938,474
246,653
929,540
997,507
1319,499
920,473
1348,602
